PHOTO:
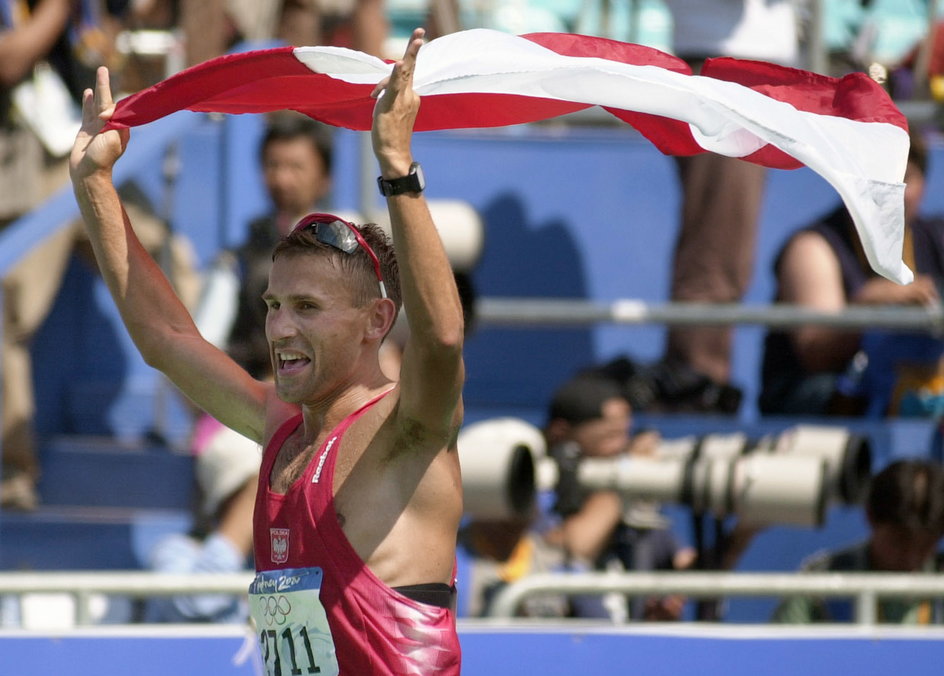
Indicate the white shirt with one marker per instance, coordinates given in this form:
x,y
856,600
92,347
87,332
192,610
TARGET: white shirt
x,y
750,29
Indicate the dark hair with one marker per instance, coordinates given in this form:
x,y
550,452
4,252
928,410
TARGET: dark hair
x,y
289,126
909,494
357,265
581,399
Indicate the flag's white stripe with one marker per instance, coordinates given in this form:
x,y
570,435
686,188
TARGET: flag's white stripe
x,y
863,161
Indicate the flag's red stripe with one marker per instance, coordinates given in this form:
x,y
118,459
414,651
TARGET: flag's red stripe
x,y
492,110
266,80
570,44
217,79
855,96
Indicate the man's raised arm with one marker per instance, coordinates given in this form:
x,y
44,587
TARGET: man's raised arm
x,y
158,322
432,372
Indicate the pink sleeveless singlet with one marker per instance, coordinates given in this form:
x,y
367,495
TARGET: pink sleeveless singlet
x,y
374,629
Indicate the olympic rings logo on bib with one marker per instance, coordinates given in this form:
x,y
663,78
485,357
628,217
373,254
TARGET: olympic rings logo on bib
x,y
292,625
275,609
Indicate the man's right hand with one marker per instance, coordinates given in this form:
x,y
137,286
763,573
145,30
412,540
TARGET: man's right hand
x,y
395,113
96,152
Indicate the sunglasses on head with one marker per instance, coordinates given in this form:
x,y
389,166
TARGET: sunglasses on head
x,y
341,235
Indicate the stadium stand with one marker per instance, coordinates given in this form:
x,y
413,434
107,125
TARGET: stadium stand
x,y
585,211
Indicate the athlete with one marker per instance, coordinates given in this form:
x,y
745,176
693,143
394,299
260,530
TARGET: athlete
x,y
359,494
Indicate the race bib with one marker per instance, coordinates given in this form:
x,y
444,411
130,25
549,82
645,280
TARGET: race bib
x,y
294,636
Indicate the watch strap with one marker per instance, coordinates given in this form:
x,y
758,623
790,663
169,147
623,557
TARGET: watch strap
x,y
412,182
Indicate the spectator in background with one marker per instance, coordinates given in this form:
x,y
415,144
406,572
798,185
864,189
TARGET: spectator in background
x,y
49,50
812,370
721,196
503,551
25,41
227,473
600,530
905,510
358,24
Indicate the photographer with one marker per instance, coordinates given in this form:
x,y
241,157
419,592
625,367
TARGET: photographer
x,y
905,510
589,417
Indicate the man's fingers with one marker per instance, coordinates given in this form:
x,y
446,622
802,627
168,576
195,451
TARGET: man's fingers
x,y
103,100
89,113
413,46
402,75
403,69
379,88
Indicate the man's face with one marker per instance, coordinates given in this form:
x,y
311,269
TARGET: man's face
x,y
607,435
295,176
315,333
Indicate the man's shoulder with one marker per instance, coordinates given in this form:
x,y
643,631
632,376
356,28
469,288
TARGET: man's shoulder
x,y
281,418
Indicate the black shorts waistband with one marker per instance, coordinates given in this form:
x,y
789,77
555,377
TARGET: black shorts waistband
x,y
432,593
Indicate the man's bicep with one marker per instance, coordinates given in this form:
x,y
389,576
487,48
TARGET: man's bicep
x,y
430,390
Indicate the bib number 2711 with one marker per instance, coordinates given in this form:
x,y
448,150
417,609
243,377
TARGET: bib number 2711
x,y
291,623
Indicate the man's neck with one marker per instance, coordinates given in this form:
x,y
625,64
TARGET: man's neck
x,y
326,414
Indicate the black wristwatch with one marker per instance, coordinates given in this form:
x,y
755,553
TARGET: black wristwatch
x,y
412,182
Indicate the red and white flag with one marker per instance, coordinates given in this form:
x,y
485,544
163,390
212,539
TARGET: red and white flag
x,y
846,129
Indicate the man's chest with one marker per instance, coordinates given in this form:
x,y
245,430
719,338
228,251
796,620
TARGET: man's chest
x,y
330,462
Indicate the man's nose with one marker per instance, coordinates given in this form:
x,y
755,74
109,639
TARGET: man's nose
x,y
279,325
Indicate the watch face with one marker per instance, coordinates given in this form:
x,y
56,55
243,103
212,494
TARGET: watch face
x,y
412,182
420,178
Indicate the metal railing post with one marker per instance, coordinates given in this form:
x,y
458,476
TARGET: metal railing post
x,y
866,608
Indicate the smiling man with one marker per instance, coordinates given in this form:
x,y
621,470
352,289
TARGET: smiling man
x,y
359,497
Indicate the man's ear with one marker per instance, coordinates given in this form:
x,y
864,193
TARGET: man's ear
x,y
382,315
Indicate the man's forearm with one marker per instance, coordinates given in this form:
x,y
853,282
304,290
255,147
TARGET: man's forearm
x,y
427,283
103,217
432,371
134,279
430,298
